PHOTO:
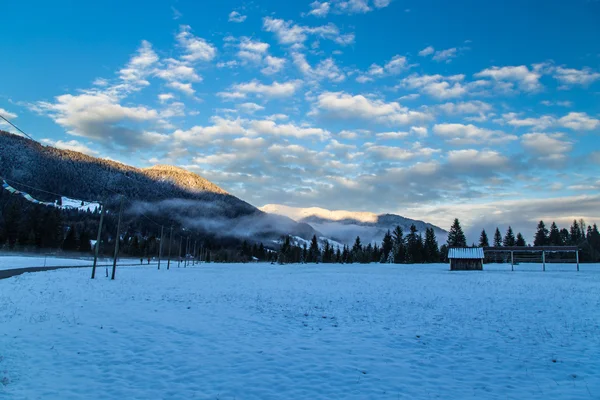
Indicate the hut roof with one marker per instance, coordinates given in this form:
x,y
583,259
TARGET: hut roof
x,y
466,253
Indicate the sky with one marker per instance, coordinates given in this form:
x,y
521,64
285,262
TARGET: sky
x,y
485,111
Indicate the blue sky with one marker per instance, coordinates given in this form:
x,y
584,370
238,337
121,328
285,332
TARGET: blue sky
x,y
431,109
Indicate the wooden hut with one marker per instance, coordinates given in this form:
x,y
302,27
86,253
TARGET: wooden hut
x,y
466,259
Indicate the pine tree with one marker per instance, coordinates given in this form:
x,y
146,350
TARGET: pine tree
x,y
413,246
576,236
541,235
520,240
509,238
554,238
386,246
314,252
497,238
357,250
431,250
456,237
565,236
483,239
398,248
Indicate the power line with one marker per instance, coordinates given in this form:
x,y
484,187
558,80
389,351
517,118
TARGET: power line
x,y
17,128
45,191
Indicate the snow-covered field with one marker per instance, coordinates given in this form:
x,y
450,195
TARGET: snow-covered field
x,y
14,262
260,331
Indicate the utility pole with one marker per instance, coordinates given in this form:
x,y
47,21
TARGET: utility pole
x,y
170,245
179,254
118,239
160,245
187,250
194,259
98,239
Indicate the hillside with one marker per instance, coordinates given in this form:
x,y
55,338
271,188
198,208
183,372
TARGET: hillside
x,y
168,194
344,226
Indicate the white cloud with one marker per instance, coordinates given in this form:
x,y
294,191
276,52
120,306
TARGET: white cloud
x,y
139,67
395,65
255,46
564,103
273,90
392,135
7,114
460,134
466,107
182,87
465,160
437,86
176,70
548,146
445,55
400,154
326,69
72,145
99,116
427,51
527,80
319,9
267,127
274,65
235,16
250,108
579,121
345,106
164,97
541,123
571,77
197,49
289,33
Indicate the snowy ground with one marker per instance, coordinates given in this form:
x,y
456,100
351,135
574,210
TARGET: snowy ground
x,y
13,262
302,332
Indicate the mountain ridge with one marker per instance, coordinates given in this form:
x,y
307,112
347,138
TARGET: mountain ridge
x,y
369,226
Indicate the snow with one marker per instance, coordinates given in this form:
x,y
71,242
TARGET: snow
x,y
14,262
78,204
257,331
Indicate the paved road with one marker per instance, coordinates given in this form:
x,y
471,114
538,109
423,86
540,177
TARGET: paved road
x,y
8,273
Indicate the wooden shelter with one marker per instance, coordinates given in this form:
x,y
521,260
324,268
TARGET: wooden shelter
x,y
466,259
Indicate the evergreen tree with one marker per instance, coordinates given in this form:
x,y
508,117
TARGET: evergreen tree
x,y
413,246
357,250
398,248
509,238
541,235
314,252
387,246
565,236
456,237
444,253
520,240
483,239
576,236
431,250
554,238
497,238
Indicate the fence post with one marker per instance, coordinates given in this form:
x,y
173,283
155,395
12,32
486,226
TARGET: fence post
x,y
577,257
512,260
544,259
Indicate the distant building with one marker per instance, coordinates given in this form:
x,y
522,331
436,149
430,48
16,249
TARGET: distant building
x,y
466,259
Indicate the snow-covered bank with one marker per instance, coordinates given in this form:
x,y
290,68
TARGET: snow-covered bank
x,y
258,331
